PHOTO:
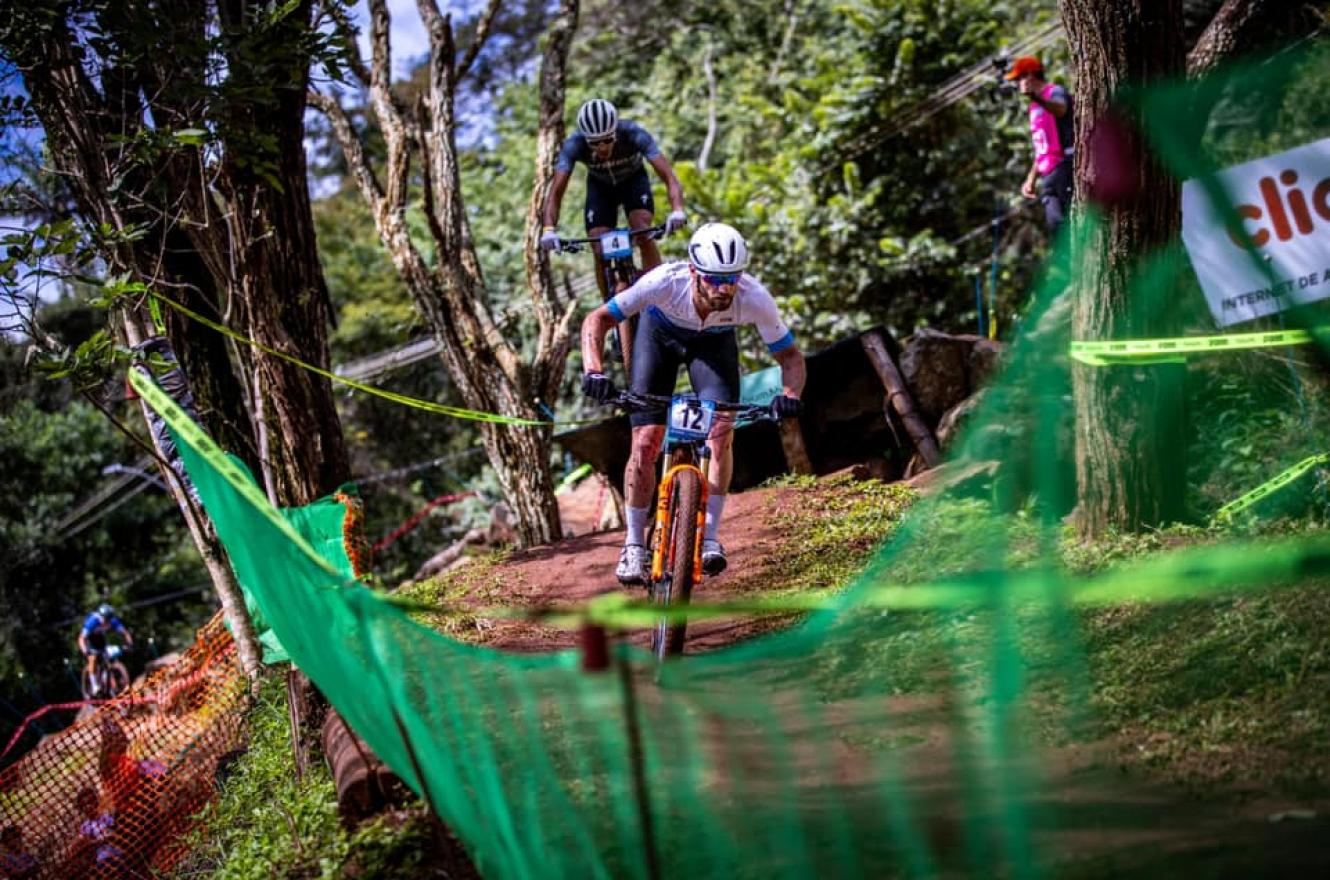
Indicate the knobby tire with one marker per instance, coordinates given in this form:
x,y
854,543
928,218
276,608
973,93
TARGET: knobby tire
x,y
677,588
115,678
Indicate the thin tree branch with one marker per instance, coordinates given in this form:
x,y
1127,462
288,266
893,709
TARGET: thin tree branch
x,y
482,34
352,149
710,73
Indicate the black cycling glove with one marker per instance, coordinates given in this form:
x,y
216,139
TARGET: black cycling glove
x,y
598,387
785,407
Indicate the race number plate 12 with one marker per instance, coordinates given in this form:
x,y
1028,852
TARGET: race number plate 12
x,y
690,419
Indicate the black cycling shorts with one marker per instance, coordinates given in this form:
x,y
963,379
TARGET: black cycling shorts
x,y
603,200
660,348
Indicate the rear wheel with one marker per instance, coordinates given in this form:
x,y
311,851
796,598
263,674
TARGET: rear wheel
x,y
677,585
117,678
620,275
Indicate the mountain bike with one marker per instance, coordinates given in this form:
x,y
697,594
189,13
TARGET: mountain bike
x,y
109,677
681,501
619,272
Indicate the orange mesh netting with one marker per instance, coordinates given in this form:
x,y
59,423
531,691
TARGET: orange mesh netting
x,y
111,795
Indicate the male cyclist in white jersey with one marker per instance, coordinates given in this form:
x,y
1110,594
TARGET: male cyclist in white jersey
x,y
689,315
612,150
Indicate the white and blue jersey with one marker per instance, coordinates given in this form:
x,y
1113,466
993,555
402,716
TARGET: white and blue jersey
x,y
666,292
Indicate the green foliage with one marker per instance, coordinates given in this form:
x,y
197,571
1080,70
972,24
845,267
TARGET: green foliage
x,y
265,824
1250,418
849,212
60,561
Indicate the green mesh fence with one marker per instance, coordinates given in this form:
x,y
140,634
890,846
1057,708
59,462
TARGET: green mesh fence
x,y
853,743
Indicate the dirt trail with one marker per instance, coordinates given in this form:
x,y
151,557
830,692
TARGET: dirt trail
x,y
581,568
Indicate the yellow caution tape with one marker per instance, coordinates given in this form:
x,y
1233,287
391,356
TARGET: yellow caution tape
x,y
1239,504
405,400
1155,351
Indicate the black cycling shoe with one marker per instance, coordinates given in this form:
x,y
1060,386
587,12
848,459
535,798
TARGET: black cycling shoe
x,y
713,557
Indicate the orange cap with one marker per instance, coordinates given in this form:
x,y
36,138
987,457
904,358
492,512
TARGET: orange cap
x,y
1023,65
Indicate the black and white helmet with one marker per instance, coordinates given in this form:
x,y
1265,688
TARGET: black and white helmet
x,y
718,247
597,119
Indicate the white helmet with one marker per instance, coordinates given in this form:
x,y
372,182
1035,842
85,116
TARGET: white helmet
x,y
597,119
718,247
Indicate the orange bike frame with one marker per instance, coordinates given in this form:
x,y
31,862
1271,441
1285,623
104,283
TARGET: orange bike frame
x,y
662,554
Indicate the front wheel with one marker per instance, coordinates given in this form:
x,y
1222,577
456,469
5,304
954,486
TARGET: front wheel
x,y
682,533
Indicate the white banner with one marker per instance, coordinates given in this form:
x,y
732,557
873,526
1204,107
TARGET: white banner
x,y
1283,202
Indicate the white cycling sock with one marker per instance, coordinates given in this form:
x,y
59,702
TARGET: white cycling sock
x,y
637,525
715,507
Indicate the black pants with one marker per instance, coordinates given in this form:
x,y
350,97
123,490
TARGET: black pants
x,y
1055,193
603,200
660,348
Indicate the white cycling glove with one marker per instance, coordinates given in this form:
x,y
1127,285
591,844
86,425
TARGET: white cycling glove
x,y
675,221
549,240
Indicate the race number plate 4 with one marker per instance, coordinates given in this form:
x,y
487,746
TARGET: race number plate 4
x,y
690,419
615,244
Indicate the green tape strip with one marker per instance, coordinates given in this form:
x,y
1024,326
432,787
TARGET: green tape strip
x,y
567,482
155,309
1186,574
415,402
1153,351
1268,488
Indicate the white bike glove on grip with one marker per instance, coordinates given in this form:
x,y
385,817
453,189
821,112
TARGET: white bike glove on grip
x,y
549,239
675,221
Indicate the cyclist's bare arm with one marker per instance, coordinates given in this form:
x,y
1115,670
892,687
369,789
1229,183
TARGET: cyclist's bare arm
x,y
595,327
671,180
558,185
793,372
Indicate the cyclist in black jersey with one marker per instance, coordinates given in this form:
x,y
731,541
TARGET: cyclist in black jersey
x,y
612,150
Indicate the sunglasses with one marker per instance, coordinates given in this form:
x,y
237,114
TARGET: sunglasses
x,y
600,141
717,280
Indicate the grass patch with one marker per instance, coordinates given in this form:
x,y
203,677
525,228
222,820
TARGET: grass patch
x,y
480,579
835,526
1231,689
264,824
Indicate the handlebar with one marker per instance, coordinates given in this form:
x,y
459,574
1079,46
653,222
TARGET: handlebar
x,y
577,245
633,402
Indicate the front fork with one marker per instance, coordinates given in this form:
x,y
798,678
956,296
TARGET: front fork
x,y
663,550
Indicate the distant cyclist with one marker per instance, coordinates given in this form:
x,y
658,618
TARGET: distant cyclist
x,y
689,315
612,150
92,638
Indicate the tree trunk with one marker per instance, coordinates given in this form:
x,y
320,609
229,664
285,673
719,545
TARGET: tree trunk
x,y
451,295
1128,449
226,230
277,270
